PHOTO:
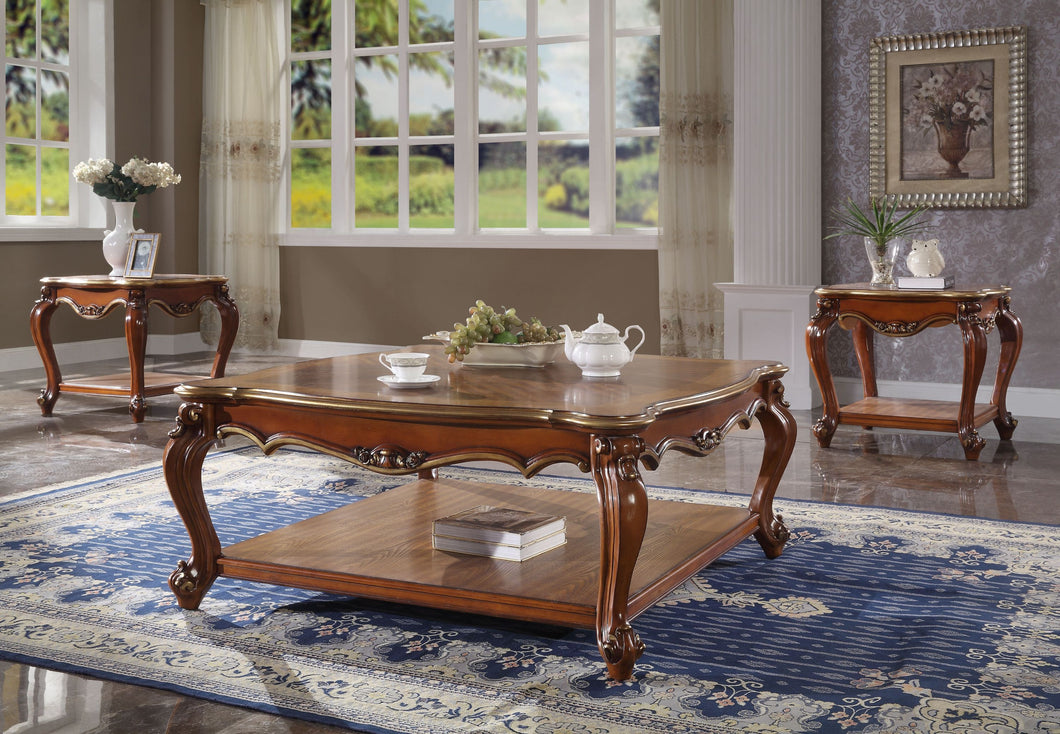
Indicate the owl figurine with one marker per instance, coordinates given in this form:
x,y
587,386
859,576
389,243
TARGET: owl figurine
x,y
924,259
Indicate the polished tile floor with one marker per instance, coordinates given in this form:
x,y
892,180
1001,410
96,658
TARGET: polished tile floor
x,y
1017,480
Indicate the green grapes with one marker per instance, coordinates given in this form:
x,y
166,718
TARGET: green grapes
x,y
486,324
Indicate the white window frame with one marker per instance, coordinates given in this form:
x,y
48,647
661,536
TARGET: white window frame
x,y
91,128
600,233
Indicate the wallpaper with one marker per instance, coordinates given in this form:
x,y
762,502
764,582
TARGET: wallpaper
x,y
1014,247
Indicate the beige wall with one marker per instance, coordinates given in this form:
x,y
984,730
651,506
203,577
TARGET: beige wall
x,y
157,114
395,296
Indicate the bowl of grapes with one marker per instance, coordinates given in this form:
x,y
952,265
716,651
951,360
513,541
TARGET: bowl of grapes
x,y
500,338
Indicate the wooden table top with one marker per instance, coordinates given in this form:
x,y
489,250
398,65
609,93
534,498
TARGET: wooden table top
x,y
648,386
865,290
108,281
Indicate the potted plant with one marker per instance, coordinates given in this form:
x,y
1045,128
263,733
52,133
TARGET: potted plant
x,y
882,230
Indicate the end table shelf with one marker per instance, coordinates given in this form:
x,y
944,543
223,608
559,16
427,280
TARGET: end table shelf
x,y
155,383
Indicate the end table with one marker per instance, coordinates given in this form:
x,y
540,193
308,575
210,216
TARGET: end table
x,y
892,312
95,296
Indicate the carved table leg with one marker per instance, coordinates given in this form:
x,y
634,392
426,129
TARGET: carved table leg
x,y
624,517
778,428
226,309
817,351
40,319
1011,332
136,339
865,351
973,334
182,461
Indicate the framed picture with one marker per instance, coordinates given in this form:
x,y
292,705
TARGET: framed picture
x,y
140,262
947,123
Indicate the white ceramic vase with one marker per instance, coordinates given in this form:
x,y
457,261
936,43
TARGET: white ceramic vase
x,y
116,241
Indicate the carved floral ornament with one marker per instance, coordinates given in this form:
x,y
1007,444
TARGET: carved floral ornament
x,y
694,127
246,150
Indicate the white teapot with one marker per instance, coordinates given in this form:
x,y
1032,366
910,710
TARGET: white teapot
x,y
600,351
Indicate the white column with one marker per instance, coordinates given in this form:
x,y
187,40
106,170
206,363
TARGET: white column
x,y
776,186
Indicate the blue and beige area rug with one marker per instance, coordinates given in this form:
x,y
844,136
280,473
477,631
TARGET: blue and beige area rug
x,y
871,621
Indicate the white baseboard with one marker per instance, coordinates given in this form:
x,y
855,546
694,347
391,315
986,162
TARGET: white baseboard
x,y
1020,401
309,349
27,358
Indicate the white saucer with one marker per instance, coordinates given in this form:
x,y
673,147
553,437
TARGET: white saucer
x,y
421,381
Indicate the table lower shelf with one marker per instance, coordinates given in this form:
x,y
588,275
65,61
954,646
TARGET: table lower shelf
x,y
155,383
924,415
380,548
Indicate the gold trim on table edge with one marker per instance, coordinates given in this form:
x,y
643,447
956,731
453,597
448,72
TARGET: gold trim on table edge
x,y
949,294
104,281
198,393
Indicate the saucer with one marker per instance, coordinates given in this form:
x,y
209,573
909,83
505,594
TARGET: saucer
x,y
421,381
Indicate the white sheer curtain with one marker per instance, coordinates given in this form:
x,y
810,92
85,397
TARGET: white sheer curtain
x,y
241,212
695,174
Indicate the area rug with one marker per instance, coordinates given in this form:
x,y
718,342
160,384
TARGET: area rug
x,y
871,621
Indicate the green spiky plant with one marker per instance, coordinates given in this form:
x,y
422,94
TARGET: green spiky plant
x,y
879,224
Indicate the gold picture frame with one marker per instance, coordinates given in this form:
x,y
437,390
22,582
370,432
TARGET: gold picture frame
x,y
947,119
143,248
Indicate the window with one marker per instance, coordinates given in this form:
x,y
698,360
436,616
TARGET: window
x,y
478,119
55,58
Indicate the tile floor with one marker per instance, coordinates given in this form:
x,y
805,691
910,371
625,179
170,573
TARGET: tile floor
x,y
1017,480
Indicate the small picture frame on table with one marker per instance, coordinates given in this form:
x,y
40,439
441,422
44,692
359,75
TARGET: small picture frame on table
x,y
140,262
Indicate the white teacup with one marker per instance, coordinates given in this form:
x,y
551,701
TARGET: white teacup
x,y
406,366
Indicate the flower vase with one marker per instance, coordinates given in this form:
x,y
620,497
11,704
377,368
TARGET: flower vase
x,y
882,262
116,241
954,142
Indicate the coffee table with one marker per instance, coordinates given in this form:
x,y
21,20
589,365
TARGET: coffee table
x,y
623,553
95,296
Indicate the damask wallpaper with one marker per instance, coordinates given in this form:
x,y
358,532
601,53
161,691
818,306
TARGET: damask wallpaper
x,y
1015,247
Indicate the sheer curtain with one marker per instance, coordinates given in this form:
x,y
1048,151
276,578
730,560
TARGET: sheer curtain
x,y
241,212
695,174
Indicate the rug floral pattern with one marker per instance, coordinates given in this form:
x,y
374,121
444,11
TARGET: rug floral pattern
x,y
871,621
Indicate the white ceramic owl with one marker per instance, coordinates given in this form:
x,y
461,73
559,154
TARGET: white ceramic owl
x,y
924,259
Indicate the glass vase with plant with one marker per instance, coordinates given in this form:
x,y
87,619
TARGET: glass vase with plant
x,y
882,230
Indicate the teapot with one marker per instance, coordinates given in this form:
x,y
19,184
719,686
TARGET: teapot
x,y
600,351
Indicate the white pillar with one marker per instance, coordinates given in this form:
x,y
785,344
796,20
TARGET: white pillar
x,y
776,187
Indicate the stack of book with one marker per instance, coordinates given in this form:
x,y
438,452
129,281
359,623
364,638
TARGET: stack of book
x,y
499,532
937,283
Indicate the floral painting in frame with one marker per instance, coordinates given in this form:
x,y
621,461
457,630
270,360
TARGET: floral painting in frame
x,y
947,115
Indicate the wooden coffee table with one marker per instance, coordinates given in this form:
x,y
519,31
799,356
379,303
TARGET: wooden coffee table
x,y
95,296
865,310
624,552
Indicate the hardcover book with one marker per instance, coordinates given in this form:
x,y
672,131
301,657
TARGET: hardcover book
x,y
500,550
501,525
938,283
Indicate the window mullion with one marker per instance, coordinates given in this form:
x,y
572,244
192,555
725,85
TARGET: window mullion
x,y
602,118
404,61
465,117
341,119
532,221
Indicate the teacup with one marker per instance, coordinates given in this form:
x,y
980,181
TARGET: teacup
x,y
406,366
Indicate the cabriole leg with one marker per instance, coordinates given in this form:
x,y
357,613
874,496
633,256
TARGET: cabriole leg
x,y
182,461
623,519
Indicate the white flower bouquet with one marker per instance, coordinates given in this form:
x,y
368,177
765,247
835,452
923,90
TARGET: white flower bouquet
x,y
136,178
